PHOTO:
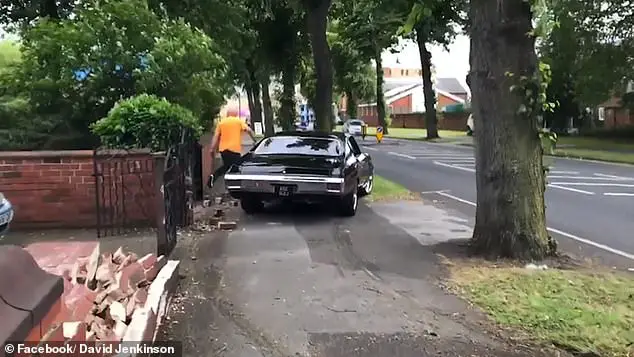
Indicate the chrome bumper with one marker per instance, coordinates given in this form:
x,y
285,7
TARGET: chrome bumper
x,y
267,184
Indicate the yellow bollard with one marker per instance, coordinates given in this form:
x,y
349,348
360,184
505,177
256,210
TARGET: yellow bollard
x,y
379,134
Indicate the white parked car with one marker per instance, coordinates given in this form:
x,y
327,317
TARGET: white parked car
x,y
353,127
6,214
470,125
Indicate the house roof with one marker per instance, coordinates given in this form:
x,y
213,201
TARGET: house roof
x,y
447,84
451,85
403,91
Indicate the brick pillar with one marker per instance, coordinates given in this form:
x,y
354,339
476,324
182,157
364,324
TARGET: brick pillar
x,y
31,297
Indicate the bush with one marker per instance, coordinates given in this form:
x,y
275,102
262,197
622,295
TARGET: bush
x,y
145,121
626,132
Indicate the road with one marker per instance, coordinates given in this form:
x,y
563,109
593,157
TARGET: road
x,y
590,205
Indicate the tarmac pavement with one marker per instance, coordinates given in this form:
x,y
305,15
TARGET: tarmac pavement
x,y
298,281
590,205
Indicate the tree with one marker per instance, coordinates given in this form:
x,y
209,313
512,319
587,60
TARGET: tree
x,y
19,14
78,68
590,53
316,26
354,77
372,26
432,22
505,84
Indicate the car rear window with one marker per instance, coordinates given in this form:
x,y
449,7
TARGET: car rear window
x,y
297,145
356,122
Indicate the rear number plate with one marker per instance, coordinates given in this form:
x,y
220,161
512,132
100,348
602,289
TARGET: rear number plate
x,y
285,191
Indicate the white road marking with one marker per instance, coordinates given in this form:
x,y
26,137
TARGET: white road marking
x,y
370,148
429,192
623,194
585,178
454,167
570,189
564,172
402,155
441,156
557,231
614,177
592,184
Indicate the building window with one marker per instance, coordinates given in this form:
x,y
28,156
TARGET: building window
x,y
407,72
402,72
420,72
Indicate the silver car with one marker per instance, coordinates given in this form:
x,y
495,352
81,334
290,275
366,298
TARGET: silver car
x,y
6,214
353,127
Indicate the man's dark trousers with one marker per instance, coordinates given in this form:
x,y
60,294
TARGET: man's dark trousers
x,y
228,159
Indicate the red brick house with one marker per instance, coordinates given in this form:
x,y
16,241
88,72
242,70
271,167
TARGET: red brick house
x,y
405,97
614,115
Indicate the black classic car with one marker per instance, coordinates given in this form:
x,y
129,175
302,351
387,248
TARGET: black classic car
x,y
302,166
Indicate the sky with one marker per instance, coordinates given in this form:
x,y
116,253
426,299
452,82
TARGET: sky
x,y
451,63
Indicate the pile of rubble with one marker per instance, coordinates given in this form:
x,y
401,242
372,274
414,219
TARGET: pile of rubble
x,y
102,291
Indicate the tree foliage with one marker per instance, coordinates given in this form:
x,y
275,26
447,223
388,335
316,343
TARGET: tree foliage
x,y
75,70
145,121
590,51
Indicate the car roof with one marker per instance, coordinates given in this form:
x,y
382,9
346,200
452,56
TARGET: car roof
x,y
313,134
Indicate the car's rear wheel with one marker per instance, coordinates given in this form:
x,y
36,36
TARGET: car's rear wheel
x,y
251,205
349,203
367,187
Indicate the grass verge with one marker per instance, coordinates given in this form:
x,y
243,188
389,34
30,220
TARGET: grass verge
x,y
595,149
416,134
385,189
583,312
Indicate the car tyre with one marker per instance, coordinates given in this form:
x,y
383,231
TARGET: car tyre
x,y
367,187
251,205
349,203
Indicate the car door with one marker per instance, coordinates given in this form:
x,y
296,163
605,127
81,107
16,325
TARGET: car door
x,y
364,161
351,168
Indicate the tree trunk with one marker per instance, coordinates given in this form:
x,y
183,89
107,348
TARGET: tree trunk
x,y
48,8
431,119
380,99
288,110
269,125
317,13
510,214
351,104
251,101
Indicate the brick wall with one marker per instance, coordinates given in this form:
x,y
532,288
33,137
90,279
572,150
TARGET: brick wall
x,y
56,189
446,121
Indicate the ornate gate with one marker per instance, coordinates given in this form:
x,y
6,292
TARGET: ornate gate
x,y
123,190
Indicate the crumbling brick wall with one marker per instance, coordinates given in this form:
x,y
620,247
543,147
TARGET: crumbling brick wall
x,y
57,189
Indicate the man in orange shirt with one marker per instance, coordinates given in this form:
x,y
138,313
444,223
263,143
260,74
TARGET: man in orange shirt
x,y
228,140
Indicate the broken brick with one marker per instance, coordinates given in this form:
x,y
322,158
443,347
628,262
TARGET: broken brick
x,y
105,272
118,256
93,263
119,329
130,306
147,261
54,334
152,272
75,331
76,274
131,276
140,296
117,311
